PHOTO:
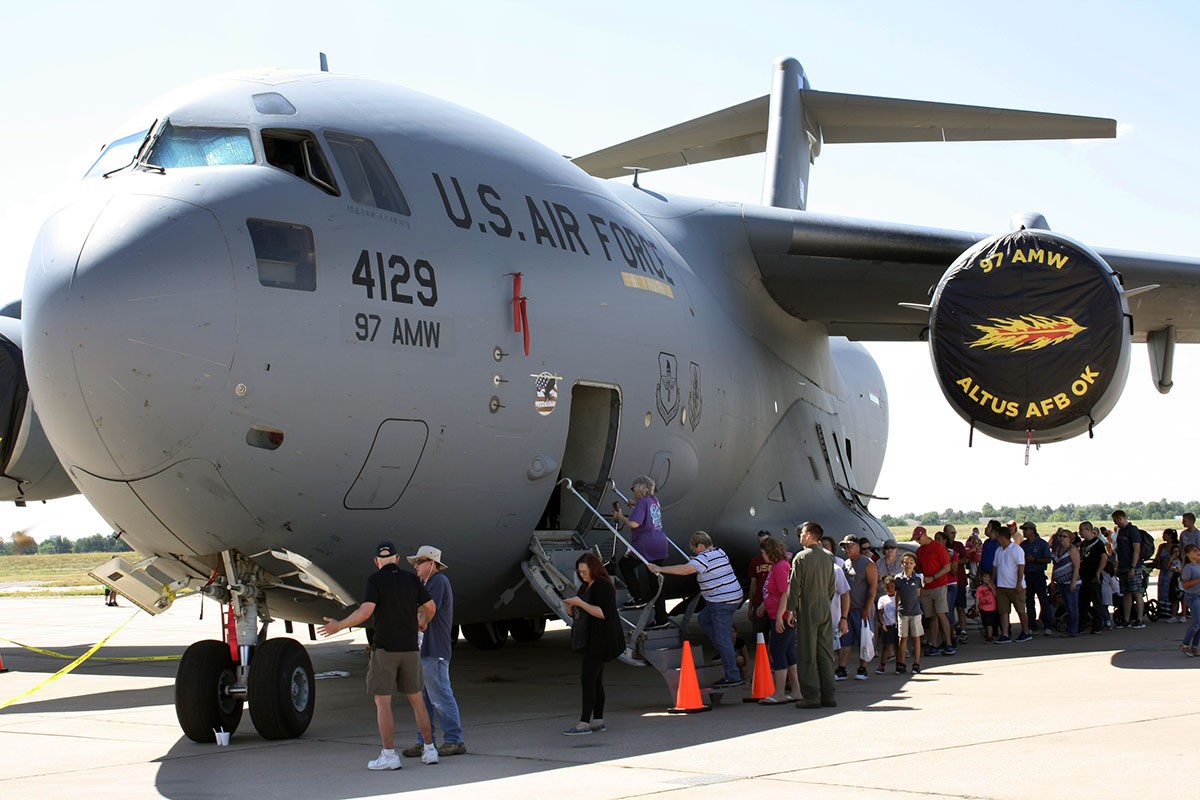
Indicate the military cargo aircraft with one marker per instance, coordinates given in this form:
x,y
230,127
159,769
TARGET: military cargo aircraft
x,y
292,313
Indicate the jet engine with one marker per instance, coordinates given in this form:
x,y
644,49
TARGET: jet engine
x,y
29,469
1030,337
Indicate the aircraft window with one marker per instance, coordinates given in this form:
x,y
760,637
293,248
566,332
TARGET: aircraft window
x,y
368,179
200,147
117,154
297,152
273,103
285,253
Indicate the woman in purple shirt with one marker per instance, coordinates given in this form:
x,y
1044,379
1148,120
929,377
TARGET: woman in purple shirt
x,y
649,540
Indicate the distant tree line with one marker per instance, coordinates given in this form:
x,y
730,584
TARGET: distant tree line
x,y
22,544
1068,513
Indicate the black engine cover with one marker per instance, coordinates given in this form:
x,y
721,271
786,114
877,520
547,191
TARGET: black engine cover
x,y
1030,336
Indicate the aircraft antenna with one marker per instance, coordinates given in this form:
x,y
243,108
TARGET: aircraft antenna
x,y
324,63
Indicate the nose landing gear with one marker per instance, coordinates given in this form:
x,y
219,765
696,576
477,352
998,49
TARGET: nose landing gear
x,y
275,676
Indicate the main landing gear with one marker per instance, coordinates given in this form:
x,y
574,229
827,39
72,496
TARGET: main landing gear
x,y
493,635
274,675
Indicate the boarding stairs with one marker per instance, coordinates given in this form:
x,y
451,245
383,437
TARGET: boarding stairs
x,y
550,571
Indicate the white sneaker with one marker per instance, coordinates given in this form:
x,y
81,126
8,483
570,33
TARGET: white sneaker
x,y
429,754
388,759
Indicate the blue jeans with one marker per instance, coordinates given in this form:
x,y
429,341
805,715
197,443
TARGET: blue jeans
x,y
1070,601
439,699
717,621
1192,637
951,609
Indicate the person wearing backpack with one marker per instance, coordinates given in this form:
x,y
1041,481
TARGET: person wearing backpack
x,y
1129,551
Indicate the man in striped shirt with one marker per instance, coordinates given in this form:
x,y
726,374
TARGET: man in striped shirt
x,y
722,596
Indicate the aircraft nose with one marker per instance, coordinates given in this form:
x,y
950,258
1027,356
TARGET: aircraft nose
x,y
130,328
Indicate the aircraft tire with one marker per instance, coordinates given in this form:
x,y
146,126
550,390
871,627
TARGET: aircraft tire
x,y
200,704
486,635
281,689
527,629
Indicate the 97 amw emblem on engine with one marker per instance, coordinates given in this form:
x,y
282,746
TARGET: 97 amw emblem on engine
x,y
1031,332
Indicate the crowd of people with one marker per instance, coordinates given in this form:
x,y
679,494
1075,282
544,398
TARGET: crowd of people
x,y
912,604
826,609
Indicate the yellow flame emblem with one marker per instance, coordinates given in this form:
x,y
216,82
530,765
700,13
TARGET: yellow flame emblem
x,y
1032,332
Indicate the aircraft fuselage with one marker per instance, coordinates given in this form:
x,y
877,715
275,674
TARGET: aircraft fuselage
x,y
207,394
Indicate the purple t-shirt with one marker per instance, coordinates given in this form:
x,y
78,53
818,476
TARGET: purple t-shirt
x,y
648,537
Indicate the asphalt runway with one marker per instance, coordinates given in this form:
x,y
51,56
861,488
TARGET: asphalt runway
x,y
1112,715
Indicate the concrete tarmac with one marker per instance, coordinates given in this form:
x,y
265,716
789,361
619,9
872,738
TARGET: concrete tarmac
x,y
1110,715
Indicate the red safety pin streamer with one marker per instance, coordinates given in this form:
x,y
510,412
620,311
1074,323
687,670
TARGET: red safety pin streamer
x,y
520,310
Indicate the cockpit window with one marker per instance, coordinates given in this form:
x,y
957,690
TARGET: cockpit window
x,y
368,179
117,154
178,146
297,152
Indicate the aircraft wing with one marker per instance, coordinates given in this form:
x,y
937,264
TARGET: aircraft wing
x,y
835,118
851,274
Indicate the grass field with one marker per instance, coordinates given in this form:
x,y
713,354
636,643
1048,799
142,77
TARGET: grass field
x,y
1154,527
58,574
67,573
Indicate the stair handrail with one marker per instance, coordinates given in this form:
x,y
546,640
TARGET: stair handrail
x,y
641,624
624,499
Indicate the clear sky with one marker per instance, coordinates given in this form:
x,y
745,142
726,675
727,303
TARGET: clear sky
x,y
582,76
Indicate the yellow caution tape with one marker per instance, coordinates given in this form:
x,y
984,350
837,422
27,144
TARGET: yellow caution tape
x,y
69,667
68,657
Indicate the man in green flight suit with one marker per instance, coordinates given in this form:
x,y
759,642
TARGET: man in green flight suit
x,y
810,593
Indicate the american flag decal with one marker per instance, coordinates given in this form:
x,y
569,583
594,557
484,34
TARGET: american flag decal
x,y
546,390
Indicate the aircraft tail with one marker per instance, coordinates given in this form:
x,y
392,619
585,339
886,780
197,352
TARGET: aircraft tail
x,y
793,122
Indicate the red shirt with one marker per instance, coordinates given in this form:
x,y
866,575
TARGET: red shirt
x,y
961,552
931,557
759,568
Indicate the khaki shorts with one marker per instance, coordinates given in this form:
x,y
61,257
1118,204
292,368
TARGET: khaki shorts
x,y
910,627
933,601
394,673
1007,598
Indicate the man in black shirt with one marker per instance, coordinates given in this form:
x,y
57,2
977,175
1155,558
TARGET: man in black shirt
x,y
395,598
1129,568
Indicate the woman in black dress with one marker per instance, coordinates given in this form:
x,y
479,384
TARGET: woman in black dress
x,y
600,640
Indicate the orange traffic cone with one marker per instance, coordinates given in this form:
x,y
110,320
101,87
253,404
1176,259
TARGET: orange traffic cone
x,y
687,698
2,667
764,679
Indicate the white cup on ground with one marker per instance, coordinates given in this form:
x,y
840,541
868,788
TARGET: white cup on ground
x,y
223,737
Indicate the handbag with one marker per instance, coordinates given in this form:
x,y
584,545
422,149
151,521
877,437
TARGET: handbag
x,y
866,642
579,630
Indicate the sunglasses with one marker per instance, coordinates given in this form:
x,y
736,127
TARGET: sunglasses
x,y
421,561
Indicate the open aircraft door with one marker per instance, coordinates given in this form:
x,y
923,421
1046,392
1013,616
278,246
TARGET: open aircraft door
x,y
592,436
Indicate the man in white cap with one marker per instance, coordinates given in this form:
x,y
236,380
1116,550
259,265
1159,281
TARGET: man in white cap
x,y
436,648
394,598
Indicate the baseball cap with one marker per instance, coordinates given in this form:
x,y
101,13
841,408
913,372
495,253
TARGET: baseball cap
x,y
918,532
385,550
1028,526
849,539
889,545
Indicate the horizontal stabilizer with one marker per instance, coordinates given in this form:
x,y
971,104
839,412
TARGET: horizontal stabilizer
x,y
836,118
